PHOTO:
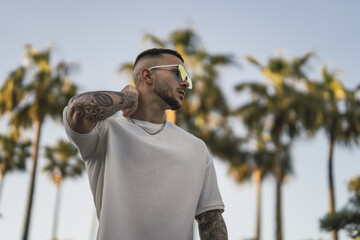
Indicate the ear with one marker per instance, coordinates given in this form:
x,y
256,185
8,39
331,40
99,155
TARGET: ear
x,y
146,76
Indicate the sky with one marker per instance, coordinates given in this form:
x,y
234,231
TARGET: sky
x,y
99,37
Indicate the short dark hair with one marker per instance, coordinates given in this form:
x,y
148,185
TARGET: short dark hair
x,y
155,52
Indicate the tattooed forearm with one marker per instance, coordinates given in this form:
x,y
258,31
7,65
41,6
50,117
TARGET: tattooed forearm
x,y
97,106
212,225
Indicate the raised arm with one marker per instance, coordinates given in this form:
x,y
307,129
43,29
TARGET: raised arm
x,y
212,225
86,109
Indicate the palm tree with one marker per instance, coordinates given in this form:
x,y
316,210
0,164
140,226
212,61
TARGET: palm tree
x,y
46,93
10,96
257,164
62,162
281,107
204,111
340,118
13,155
244,172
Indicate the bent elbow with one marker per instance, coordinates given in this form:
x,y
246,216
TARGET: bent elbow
x,y
76,119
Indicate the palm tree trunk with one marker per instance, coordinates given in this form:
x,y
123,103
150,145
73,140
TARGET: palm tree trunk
x,y
331,182
257,179
278,176
35,151
56,210
278,208
2,176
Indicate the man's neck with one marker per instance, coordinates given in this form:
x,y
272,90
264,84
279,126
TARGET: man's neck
x,y
149,111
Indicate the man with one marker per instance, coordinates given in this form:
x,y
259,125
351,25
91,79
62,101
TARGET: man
x,y
149,178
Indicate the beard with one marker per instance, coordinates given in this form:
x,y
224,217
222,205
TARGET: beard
x,y
165,92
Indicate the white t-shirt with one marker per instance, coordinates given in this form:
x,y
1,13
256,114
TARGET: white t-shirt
x,y
146,186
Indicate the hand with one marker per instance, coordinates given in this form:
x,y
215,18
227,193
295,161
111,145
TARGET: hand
x,y
132,95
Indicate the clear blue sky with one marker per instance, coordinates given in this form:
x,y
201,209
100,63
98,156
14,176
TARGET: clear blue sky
x,y
101,36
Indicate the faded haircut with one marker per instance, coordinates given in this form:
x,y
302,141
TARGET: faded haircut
x,y
156,52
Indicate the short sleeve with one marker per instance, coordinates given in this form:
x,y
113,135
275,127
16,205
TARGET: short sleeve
x,y
210,198
91,144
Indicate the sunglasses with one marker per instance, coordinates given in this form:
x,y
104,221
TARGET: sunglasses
x,y
183,73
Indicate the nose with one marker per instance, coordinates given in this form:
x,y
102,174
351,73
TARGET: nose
x,y
184,84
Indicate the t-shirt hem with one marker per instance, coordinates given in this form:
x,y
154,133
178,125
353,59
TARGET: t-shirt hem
x,y
208,208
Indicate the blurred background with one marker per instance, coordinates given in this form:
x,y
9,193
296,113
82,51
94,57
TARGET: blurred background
x,y
276,98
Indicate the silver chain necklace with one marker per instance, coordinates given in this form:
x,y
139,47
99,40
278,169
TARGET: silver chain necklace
x,y
147,130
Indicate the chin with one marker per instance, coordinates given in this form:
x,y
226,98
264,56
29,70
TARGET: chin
x,y
175,104
177,107
171,100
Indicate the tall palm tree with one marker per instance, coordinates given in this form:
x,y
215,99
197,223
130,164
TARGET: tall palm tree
x,y
41,91
13,155
340,118
257,164
204,111
63,162
10,96
245,172
281,107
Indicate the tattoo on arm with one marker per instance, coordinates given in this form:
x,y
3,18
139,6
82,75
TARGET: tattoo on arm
x,y
212,225
97,106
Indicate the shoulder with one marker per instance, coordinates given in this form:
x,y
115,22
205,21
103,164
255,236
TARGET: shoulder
x,y
186,136
182,132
